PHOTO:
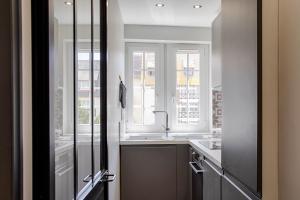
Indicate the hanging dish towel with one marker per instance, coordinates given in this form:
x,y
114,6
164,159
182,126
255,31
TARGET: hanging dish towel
x,y
122,95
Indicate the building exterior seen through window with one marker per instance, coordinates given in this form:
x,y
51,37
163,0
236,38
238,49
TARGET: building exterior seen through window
x,y
143,87
187,87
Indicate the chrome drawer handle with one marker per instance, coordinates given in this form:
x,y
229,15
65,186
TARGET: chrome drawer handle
x,y
197,171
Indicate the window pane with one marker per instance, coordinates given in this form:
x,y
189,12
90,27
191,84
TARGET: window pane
x,y
83,56
149,116
181,97
150,78
149,97
137,115
138,78
149,61
143,88
84,59
194,61
194,98
84,75
181,79
181,61
188,88
194,78
138,96
138,61
149,104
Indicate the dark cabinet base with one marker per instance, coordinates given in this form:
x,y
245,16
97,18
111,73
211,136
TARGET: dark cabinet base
x,y
154,172
235,191
211,182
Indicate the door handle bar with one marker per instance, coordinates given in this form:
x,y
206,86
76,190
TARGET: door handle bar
x,y
87,178
107,177
197,171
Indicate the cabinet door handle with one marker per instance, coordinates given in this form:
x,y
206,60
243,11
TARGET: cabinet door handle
x,y
193,165
87,178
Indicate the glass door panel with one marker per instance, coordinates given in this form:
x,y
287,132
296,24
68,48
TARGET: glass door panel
x,y
84,96
62,85
97,87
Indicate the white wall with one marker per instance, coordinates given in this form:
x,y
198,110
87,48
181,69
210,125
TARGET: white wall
x,y
289,99
172,33
26,99
114,69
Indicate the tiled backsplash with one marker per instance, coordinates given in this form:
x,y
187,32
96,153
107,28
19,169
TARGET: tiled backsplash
x,y
217,108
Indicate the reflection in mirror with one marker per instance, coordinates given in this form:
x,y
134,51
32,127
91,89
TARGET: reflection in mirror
x,y
84,95
62,106
76,102
97,86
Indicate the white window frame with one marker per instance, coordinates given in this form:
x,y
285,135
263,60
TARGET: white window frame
x,y
204,87
159,85
165,87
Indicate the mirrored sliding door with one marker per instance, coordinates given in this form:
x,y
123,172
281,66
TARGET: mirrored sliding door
x,y
76,101
84,96
97,89
62,87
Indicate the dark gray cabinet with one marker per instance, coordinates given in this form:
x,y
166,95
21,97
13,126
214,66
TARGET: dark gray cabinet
x,y
232,191
196,179
197,186
229,192
157,172
211,181
206,183
183,175
241,84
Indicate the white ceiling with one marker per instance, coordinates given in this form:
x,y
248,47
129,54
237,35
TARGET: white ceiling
x,y
64,13
175,12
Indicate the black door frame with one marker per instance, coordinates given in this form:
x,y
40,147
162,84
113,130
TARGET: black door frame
x,y
42,65
10,102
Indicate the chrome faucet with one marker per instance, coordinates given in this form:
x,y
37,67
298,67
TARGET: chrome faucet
x,y
167,129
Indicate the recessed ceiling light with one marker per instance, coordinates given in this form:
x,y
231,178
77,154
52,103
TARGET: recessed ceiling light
x,y
160,5
68,3
197,6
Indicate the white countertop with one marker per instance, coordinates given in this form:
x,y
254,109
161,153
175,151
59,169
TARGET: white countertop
x,y
212,155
